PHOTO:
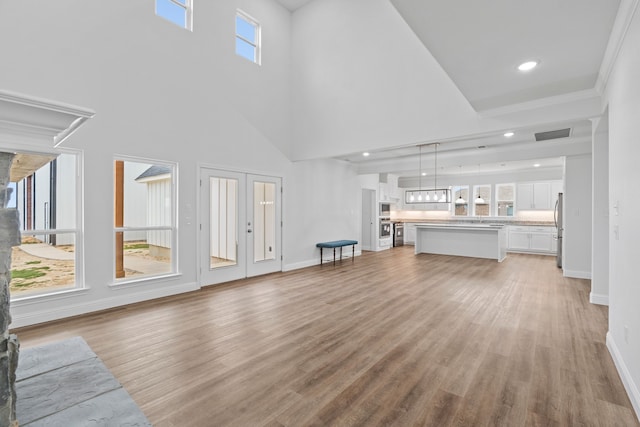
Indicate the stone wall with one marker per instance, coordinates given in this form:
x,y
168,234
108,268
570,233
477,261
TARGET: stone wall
x,y
9,346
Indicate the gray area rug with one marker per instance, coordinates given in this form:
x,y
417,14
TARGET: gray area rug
x,y
66,384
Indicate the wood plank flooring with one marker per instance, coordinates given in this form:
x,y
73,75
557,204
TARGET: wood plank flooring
x,y
391,339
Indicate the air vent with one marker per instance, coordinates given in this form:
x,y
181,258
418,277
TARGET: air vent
x,y
553,134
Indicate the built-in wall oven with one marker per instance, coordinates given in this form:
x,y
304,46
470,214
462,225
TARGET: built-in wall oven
x,y
385,228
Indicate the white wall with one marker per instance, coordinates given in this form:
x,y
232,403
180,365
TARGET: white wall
x,y
623,98
159,92
323,203
576,258
600,213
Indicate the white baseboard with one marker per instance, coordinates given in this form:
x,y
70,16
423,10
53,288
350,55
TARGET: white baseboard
x,y
598,299
625,375
575,274
311,263
32,316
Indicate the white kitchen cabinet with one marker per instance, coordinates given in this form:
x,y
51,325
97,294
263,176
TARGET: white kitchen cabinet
x,y
535,239
518,240
540,242
533,196
409,234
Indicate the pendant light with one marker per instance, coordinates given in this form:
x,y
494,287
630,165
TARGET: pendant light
x,y
438,195
479,200
420,174
460,200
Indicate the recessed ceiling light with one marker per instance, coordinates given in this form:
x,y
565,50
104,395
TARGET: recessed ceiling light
x,y
537,165
366,154
527,66
424,174
509,134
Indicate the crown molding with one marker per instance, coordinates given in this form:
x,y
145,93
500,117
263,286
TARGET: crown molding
x,y
626,12
37,120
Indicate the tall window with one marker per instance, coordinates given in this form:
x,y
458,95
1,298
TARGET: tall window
x,y
145,224
482,200
461,200
49,258
505,197
177,11
247,37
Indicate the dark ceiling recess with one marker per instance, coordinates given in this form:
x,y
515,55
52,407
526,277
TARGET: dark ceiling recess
x,y
553,134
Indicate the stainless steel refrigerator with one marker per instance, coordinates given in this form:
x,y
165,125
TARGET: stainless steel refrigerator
x,y
557,217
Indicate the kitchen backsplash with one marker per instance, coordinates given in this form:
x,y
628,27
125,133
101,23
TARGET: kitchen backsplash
x,y
521,216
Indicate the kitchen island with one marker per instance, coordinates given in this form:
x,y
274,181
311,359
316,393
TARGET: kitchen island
x,y
470,240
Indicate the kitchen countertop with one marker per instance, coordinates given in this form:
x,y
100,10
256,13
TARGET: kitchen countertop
x,y
470,226
475,222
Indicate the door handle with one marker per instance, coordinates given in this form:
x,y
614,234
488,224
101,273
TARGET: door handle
x,y
249,231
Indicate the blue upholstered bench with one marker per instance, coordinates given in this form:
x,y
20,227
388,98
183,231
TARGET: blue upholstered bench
x,y
338,244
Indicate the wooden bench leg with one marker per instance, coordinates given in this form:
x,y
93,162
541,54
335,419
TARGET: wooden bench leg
x,y
320,256
334,256
353,253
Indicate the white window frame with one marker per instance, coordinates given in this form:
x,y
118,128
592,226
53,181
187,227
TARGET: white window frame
x,y
258,43
454,189
188,8
173,228
473,197
498,200
77,231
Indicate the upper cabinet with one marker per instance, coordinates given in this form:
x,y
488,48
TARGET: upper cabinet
x,y
537,195
388,188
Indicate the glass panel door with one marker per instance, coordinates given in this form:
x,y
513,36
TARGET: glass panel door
x,y
223,238
264,232
240,226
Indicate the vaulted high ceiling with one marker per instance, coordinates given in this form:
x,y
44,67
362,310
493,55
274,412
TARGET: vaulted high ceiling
x,y
479,45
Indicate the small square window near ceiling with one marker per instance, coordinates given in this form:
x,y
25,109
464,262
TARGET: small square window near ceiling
x,y
177,11
247,37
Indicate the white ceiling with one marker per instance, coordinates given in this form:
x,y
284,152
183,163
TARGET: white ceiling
x,y
292,5
489,153
480,44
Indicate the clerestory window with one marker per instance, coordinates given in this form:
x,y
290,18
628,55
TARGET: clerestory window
x,y
177,11
247,37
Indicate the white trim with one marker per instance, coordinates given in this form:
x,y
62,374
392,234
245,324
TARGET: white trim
x,y
78,232
575,274
173,228
630,386
141,280
598,299
45,104
30,299
311,263
67,119
625,15
188,13
55,312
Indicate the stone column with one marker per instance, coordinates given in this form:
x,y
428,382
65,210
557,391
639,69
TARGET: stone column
x,y
9,346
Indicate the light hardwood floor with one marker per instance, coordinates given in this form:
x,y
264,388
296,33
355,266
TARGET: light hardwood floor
x,y
391,339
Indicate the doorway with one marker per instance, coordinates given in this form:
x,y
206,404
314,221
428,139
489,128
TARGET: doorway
x,y
240,227
368,220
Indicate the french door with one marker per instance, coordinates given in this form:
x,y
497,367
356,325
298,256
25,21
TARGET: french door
x,y
240,225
